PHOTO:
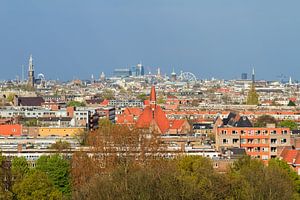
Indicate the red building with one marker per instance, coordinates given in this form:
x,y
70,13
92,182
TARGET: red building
x,y
11,130
154,118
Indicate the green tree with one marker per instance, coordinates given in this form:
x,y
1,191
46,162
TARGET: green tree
x,y
263,120
19,167
60,145
252,98
288,124
291,103
36,186
142,97
290,172
58,170
108,94
76,104
10,97
258,181
161,99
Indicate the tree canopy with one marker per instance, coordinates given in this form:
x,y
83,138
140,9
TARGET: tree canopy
x,y
288,124
36,186
57,169
76,104
263,120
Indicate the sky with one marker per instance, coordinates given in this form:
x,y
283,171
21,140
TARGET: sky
x,y
210,38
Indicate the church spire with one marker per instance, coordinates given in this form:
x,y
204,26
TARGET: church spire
x,y
31,78
152,98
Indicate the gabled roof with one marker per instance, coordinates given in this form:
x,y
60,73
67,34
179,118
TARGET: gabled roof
x,y
157,115
30,101
132,111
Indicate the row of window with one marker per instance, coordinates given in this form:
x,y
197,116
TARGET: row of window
x,y
254,132
255,141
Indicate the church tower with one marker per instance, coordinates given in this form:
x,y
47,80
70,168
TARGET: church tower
x,y
252,98
31,78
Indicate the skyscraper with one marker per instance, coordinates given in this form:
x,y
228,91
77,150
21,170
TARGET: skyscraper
x,y
140,70
31,78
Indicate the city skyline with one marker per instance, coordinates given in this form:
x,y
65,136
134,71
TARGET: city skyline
x,y
210,39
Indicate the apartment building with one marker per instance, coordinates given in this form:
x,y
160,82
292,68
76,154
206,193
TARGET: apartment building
x,y
259,142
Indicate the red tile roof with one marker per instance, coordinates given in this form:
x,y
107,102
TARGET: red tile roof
x,y
150,116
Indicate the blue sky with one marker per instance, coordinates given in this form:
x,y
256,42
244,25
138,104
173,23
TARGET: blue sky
x,y
211,38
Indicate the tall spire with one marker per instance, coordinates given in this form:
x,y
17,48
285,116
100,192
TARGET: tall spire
x,y
152,98
31,78
30,66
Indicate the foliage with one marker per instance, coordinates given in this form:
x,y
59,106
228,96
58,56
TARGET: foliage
x,y
81,136
291,103
161,100
57,170
10,97
19,167
190,177
76,104
252,98
108,94
60,145
142,97
36,186
263,120
32,122
288,124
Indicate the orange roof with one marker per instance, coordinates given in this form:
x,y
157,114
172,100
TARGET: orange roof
x,y
291,155
177,123
105,102
156,115
132,111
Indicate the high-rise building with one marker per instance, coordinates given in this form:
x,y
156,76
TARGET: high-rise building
x,y
173,76
123,72
139,70
244,76
31,78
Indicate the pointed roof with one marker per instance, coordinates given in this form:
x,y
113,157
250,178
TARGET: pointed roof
x,y
153,94
149,116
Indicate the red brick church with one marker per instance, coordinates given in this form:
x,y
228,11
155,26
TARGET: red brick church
x,y
154,118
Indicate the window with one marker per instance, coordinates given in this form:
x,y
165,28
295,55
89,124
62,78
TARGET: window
x,y
243,141
284,132
283,140
273,141
235,141
273,132
265,157
273,149
223,132
265,149
234,132
225,141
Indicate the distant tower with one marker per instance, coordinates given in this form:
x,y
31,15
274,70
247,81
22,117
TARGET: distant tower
x,y
252,98
173,76
31,78
244,76
102,76
253,76
290,81
140,69
158,72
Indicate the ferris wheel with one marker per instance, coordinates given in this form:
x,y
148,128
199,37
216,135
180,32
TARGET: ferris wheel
x,y
187,77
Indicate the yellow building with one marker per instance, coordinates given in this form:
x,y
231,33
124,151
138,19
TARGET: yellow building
x,y
62,132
